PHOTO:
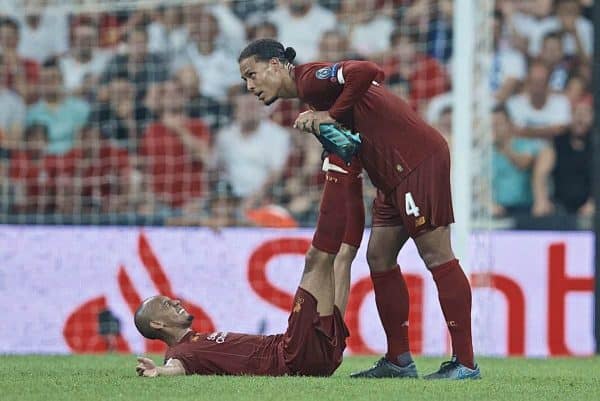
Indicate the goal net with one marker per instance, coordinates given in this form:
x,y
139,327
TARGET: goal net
x,y
132,112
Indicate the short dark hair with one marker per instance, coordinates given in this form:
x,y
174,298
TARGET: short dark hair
x,y
265,49
10,22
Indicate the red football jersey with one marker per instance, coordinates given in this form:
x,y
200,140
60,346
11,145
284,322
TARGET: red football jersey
x,y
395,140
223,353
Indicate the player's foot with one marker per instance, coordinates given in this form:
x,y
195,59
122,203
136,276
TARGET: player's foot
x,y
384,368
454,370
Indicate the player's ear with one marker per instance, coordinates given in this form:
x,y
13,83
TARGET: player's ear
x,y
155,324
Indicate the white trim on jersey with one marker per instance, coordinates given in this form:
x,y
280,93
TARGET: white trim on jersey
x,y
340,76
327,166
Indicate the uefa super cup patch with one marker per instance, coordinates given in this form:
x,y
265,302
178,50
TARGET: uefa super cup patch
x,y
328,72
323,73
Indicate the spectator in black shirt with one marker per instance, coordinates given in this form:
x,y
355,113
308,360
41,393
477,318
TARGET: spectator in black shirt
x,y
137,64
568,166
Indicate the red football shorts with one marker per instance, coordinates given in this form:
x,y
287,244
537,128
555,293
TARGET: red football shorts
x,y
309,348
422,201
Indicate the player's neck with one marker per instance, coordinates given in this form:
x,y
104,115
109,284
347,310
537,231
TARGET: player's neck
x,y
176,336
289,89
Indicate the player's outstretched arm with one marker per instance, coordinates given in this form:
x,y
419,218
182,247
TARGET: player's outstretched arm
x,y
147,368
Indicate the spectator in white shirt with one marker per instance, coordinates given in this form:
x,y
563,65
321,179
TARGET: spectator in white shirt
x,y
83,65
537,112
301,24
167,33
508,67
366,25
217,68
578,32
252,150
44,34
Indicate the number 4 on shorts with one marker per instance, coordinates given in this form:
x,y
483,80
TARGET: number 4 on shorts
x,y
411,207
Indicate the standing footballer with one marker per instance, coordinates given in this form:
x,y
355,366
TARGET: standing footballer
x,y
409,163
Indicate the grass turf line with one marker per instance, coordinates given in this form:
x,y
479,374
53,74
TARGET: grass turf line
x,y
112,377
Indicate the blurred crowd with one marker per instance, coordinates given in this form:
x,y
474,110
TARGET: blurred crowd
x,y
142,111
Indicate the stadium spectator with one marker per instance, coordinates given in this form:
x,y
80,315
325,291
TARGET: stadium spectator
x,y
261,29
36,173
432,23
20,74
213,64
63,115
440,31
103,173
232,31
333,47
167,34
524,20
12,116
576,89
553,57
576,30
140,66
44,33
240,149
512,161
508,67
366,26
301,24
299,188
122,118
537,112
175,151
425,75
566,166
85,62
197,105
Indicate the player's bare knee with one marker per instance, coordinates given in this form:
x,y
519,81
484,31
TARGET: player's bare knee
x,y
316,259
378,261
346,255
433,257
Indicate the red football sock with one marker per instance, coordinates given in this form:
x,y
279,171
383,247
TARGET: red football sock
x,y
454,294
391,297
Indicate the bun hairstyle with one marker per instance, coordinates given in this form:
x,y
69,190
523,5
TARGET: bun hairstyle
x,y
266,49
290,54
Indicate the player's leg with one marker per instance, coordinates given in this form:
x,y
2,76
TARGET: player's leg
x,y
427,214
392,300
355,227
342,268
317,279
454,293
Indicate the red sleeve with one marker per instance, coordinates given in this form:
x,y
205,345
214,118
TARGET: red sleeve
x,y
357,77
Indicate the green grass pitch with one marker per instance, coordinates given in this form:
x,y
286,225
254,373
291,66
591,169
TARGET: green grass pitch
x,y
112,377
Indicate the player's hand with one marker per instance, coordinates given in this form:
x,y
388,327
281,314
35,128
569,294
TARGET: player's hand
x,y
309,121
146,367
